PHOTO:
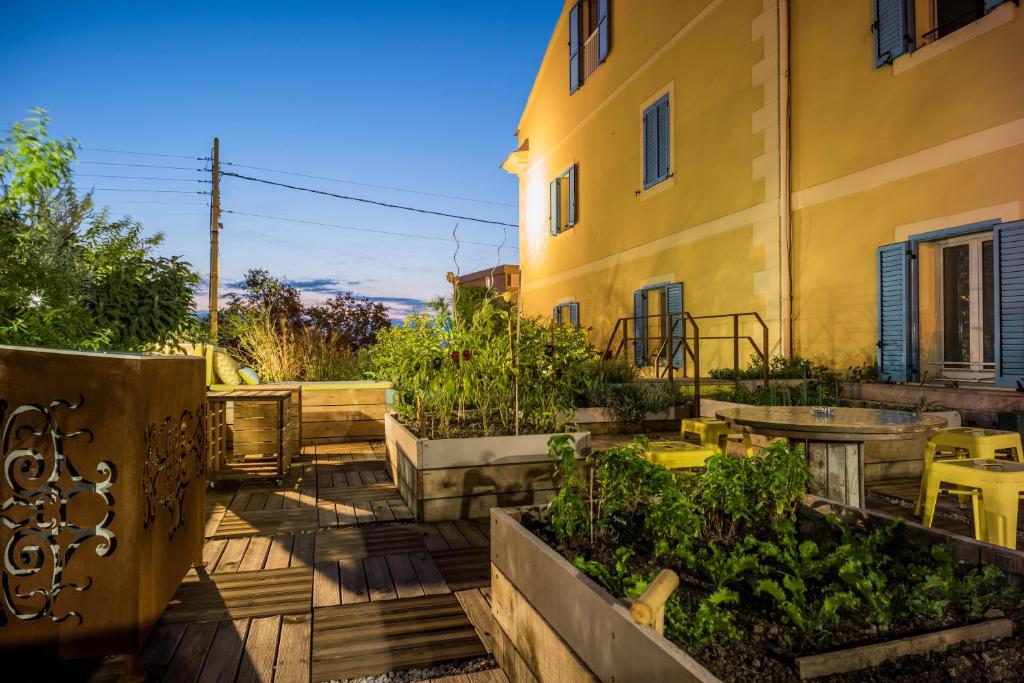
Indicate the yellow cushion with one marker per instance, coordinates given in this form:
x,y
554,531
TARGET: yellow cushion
x,y
249,376
226,367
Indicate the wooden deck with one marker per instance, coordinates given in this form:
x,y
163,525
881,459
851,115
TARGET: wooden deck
x,y
325,578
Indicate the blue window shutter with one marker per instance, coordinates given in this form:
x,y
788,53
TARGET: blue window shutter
x,y
894,312
674,306
1008,262
650,147
571,189
574,314
603,35
890,30
553,216
640,327
556,315
575,48
663,138
992,4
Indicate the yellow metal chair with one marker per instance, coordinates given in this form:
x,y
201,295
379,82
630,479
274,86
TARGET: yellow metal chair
x,y
994,487
677,455
968,442
710,432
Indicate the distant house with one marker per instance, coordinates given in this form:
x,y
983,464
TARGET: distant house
x,y
852,171
503,278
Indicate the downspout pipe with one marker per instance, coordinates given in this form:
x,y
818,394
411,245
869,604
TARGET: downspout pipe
x,y
785,218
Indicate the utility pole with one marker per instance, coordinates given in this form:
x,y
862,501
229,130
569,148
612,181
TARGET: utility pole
x,y
214,237
214,255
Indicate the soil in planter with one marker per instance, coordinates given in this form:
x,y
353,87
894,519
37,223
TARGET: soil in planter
x,y
768,646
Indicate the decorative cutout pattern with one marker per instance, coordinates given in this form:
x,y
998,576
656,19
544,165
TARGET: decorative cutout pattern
x,y
175,455
44,487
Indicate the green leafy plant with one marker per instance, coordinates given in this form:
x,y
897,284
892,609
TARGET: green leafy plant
x,y
489,373
567,511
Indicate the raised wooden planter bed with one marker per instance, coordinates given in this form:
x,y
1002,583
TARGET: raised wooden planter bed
x,y
442,479
597,420
336,412
554,623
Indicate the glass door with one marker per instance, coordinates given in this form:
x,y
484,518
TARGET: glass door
x,y
967,307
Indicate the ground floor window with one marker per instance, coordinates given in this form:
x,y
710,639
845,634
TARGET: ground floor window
x,y
967,309
951,305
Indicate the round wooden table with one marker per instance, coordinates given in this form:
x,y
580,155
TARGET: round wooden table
x,y
834,444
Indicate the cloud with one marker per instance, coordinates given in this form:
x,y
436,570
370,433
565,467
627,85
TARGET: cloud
x,y
319,285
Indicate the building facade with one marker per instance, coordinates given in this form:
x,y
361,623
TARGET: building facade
x,y
850,170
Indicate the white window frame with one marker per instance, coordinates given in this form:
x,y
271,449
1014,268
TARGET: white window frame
x,y
978,369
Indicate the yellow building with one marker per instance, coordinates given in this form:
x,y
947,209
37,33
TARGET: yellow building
x,y
724,156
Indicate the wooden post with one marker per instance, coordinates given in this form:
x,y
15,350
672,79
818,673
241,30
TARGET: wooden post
x,y
214,237
649,608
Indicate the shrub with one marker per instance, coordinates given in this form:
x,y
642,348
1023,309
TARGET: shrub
x,y
280,353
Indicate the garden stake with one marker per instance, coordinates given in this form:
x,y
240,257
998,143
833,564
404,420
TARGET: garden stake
x,y
649,608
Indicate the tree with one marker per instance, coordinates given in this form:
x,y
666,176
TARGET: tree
x,y
69,276
356,320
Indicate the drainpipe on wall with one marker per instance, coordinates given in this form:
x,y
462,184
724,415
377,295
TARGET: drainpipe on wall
x,y
785,223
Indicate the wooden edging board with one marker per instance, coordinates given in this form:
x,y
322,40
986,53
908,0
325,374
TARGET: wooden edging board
x,y
592,622
867,656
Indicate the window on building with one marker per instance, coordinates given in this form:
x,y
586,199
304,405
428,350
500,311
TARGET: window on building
x,y
897,22
656,142
950,305
563,201
589,40
658,325
566,314
968,309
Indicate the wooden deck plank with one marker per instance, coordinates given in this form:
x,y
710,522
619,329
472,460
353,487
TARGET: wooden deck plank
x,y
346,542
430,577
479,612
407,584
326,585
280,554
302,550
260,651
464,568
225,652
452,535
405,633
293,653
191,653
160,648
256,554
353,581
378,579
433,538
472,533
243,594
234,551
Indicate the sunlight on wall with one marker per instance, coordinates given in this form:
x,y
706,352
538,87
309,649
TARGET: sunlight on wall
x,y
534,214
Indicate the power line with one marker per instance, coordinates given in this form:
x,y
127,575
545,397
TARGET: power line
x,y
134,201
139,177
148,154
116,163
379,187
125,189
359,229
370,201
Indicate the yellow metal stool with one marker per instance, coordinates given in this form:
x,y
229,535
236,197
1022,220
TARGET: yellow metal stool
x,y
710,432
995,486
677,455
968,442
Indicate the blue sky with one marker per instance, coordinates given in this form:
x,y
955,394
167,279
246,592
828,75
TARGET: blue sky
x,y
415,95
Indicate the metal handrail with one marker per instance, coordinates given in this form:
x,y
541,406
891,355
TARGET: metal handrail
x,y
687,344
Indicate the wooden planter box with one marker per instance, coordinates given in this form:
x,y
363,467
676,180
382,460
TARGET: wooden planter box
x,y
252,427
553,623
597,420
336,412
442,479
121,438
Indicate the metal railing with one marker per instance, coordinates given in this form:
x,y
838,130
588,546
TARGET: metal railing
x,y
590,55
677,343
